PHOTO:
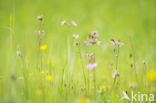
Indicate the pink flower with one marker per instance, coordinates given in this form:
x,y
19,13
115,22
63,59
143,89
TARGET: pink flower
x,y
120,44
18,53
73,23
95,33
42,32
92,66
75,36
113,41
63,22
115,74
40,18
39,32
97,42
86,42
35,32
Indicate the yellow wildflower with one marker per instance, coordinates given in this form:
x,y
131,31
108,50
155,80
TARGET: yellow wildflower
x,y
30,74
49,77
82,100
43,47
41,73
151,74
106,87
38,91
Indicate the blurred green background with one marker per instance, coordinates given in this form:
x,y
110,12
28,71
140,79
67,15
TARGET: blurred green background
x,y
131,21
128,20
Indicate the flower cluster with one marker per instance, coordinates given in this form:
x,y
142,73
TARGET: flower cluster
x,y
92,64
92,39
117,43
40,32
73,23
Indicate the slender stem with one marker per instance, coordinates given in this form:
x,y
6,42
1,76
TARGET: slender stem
x,y
88,81
117,58
63,76
94,73
134,63
94,80
114,81
82,68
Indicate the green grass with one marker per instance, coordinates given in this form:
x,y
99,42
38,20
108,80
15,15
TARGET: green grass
x,y
131,21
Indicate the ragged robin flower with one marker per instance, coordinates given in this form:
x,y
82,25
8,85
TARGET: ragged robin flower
x,y
18,53
92,66
75,36
115,74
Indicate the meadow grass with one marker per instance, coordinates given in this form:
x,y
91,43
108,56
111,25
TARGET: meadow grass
x,y
58,66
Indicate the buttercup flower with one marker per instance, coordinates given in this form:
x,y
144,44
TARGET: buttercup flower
x,y
49,77
38,91
151,74
43,47
41,73
92,66
30,74
82,100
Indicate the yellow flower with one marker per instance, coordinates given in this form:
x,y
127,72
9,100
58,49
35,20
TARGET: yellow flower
x,y
30,74
151,74
38,91
82,100
41,73
49,77
106,87
43,47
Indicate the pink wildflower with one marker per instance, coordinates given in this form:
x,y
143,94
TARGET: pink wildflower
x,y
92,66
